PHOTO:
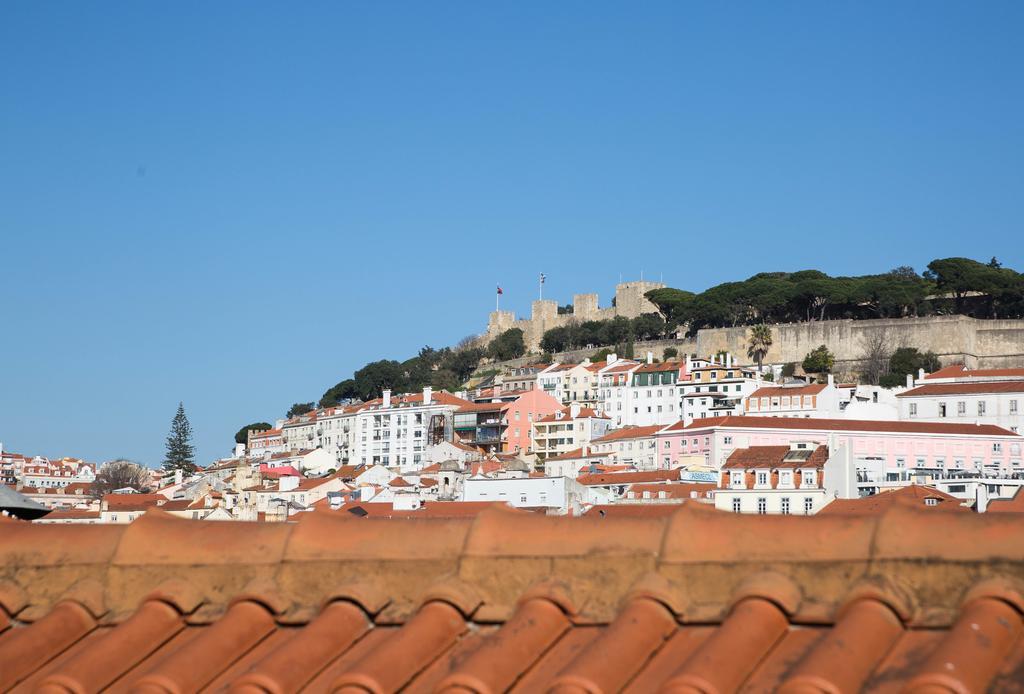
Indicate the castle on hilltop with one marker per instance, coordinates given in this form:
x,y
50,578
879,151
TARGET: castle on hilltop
x,y
630,302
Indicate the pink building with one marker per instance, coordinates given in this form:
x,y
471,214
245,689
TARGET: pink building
x,y
883,450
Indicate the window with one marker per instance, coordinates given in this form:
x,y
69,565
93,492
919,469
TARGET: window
x,y
942,409
785,505
808,505
961,408
997,448
913,409
762,478
981,408
762,505
728,440
931,501
735,504
1013,407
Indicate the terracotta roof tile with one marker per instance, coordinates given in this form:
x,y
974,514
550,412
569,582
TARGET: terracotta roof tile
x,y
819,424
628,477
1014,504
914,495
769,391
960,371
929,389
630,432
689,599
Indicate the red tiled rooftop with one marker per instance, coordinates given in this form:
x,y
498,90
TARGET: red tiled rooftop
x,y
578,454
964,388
771,391
961,371
774,457
688,600
911,495
672,490
132,502
565,415
819,424
630,432
1014,504
609,478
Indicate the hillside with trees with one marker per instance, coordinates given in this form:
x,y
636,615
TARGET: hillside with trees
x,y
948,286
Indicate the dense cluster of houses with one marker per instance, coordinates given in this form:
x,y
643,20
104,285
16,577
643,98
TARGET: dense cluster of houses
x,y
572,438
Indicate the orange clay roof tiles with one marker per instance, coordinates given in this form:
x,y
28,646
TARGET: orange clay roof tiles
x,y
770,391
912,495
774,457
680,599
960,371
1014,504
819,424
604,479
630,432
930,389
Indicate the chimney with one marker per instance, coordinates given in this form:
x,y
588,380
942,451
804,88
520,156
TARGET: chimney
x,y
910,380
831,380
179,475
650,357
386,398
728,360
612,358
920,374
428,393
981,497
689,363
574,410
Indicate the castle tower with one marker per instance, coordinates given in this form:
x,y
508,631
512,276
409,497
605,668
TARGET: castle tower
x,y
630,301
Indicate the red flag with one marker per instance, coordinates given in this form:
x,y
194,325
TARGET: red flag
x,y
500,290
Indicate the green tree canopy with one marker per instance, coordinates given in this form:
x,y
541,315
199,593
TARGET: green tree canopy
x,y
908,360
299,408
819,360
243,434
507,345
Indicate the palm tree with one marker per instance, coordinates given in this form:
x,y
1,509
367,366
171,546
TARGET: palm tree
x,y
759,344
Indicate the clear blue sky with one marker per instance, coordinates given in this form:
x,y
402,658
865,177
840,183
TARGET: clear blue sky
x,y
236,204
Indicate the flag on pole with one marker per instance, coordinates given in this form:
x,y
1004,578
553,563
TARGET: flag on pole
x,y
543,277
500,291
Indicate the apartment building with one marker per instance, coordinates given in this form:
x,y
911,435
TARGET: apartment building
x,y
504,425
781,480
567,429
395,431
571,382
636,446
714,389
885,452
268,441
521,378
829,399
615,391
985,396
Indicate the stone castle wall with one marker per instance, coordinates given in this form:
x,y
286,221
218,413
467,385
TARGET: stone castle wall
x,y
975,342
630,302
955,339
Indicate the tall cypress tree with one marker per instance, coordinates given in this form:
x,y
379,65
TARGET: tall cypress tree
x,y
180,453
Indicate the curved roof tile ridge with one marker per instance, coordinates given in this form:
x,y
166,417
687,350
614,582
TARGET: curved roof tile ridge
x,y
511,599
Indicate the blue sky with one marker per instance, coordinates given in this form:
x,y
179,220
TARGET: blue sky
x,y
236,204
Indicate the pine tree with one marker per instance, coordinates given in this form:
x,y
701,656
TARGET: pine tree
x,y
180,453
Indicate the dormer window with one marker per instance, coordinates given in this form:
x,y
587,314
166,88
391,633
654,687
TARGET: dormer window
x,y
931,501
